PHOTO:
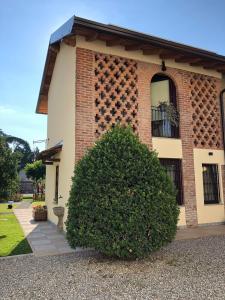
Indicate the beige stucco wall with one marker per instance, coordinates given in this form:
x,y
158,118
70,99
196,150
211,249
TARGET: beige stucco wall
x,y
167,147
210,213
100,46
170,148
61,126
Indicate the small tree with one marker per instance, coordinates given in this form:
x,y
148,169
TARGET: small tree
x,y
9,182
36,171
20,147
122,202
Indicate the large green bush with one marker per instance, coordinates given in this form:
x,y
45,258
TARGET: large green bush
x,y
121,203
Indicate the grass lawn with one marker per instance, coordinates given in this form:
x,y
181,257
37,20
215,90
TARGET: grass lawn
x,y
4,207
12,239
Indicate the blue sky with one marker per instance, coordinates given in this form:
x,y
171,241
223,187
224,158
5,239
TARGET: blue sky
x,y
26,25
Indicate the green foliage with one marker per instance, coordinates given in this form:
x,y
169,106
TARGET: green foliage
x,y
171,112
21,148
2,133
35,170
9,182
122,202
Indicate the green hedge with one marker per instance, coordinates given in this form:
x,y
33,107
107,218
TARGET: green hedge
x,y
122,202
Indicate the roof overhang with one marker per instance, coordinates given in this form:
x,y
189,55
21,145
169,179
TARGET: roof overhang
x,y
131,40
47,156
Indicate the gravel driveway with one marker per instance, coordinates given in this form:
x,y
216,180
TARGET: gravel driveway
x,y
190,269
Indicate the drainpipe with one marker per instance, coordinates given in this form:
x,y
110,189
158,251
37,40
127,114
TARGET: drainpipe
x,y
222,108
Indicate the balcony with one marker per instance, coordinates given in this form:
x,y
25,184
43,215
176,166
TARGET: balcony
x,y
165,122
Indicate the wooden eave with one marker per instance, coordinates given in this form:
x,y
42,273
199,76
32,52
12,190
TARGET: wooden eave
x,y
47,156
131,40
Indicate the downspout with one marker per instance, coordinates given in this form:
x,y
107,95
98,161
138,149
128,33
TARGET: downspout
x,y
222,99
222,109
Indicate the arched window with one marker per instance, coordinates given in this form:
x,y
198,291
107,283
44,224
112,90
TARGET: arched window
x,y
165,119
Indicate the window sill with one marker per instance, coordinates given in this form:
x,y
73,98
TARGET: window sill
x,y
166,137
210,204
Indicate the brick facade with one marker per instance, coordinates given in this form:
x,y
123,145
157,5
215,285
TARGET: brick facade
x,y
96,98
206,115
84,115
116,93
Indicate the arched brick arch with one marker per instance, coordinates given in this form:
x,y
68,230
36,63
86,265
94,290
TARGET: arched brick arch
x,y
146,72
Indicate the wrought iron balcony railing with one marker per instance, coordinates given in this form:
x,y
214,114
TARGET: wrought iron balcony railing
x,y
162,125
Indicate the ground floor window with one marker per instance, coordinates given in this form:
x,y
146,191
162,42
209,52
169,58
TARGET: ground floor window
x,y
210,183
173,169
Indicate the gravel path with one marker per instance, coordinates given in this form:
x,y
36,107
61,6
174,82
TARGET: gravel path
x,y
190,269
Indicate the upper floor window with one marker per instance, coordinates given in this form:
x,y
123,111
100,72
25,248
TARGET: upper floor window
x,y
165,118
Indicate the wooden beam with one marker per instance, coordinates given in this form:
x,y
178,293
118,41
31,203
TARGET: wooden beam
x,y
133,47
138,46
48,79
55,48
187,59
54,159
151,51
221,69
70,41
198,63
92,37
113,42
168,55
211,66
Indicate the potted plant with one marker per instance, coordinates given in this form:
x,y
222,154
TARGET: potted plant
x,y
171,112
40,213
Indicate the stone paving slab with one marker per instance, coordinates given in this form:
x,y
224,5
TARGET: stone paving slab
x,y
24,204
46,240
43,237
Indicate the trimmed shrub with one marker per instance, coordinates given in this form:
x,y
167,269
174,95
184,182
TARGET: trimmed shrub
x,y
122,202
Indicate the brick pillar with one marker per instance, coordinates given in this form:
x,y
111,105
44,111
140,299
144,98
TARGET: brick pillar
x,y
84,115
188,155
144,105
180,78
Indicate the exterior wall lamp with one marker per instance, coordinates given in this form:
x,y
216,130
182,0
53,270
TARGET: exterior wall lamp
x,y
163,66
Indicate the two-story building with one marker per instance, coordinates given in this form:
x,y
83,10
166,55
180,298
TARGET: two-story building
x,y
172,95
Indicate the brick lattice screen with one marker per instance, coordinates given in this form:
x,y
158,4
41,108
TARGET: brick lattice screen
x,y
206,113
116,92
